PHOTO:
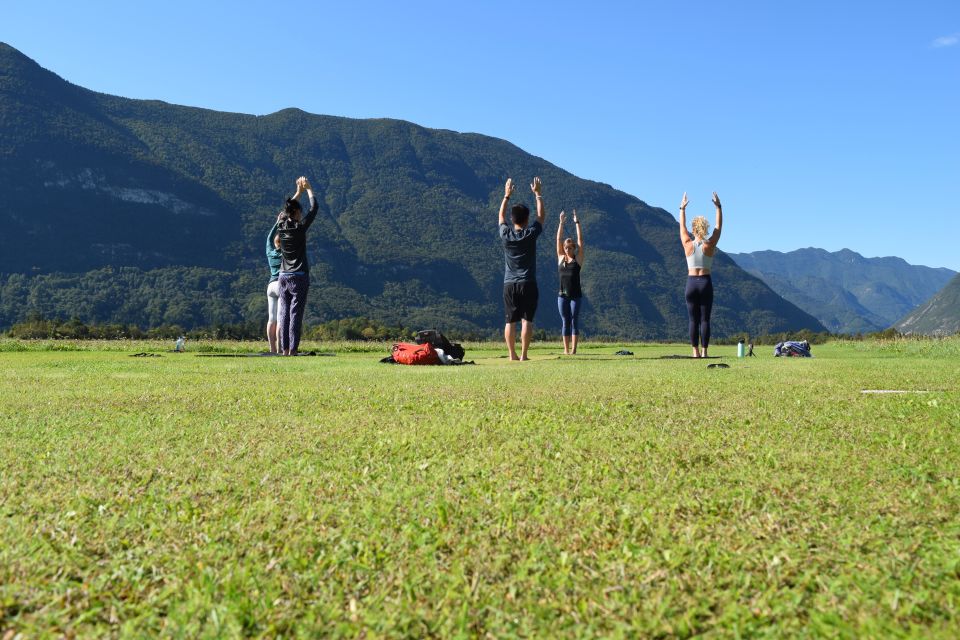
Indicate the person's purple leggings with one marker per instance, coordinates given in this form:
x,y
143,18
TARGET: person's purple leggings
x,y
699,295
293,304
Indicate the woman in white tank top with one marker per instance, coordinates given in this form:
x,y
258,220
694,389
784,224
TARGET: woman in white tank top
x,y
699,251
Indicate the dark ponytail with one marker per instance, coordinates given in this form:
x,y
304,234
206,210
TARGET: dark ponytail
x,y
291,207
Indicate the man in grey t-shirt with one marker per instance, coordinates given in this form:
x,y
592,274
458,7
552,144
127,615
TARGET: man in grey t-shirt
x,y
520,294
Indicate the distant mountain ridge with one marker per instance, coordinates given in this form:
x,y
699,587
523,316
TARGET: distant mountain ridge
x,y
938,316
844,290
106,201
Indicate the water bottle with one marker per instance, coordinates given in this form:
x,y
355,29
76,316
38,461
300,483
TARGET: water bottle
x,y
740,349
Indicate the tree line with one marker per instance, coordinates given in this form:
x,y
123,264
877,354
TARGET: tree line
x,y
360,328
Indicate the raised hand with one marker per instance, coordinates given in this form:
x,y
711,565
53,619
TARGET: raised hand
x,y
563,218
716,200
536,187
685,202
576,220
508,188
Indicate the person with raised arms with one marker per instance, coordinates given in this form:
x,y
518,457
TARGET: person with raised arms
x,y
294,276
274,259
569,263
520,293
699,251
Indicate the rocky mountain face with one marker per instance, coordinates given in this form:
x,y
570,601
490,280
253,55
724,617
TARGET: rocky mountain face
x,y
939,316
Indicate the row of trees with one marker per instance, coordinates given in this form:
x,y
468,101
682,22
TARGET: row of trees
x,y
810,336
38,327
357,328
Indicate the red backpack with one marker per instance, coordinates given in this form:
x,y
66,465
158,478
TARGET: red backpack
x,y
406,353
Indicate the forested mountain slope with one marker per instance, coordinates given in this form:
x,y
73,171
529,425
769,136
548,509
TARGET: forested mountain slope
x,y
105,201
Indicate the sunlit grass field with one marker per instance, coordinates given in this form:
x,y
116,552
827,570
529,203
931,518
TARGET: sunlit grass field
x,y
596,495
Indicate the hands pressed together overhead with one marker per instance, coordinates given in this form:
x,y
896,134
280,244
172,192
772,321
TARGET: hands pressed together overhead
x,y
302,185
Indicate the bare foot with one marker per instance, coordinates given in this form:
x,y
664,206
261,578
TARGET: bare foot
x,y
524,358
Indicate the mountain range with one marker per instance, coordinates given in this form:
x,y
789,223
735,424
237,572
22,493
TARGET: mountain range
x,y
845,291
938,316
139,211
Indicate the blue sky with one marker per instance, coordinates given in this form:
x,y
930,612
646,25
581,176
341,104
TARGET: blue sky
x,y
826,124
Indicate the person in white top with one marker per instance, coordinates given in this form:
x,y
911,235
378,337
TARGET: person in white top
x,y
699,250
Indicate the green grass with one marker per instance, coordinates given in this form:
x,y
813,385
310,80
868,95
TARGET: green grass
x,y
590,496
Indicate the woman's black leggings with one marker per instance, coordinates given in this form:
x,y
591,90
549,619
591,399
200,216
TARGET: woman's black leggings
x,y
699,295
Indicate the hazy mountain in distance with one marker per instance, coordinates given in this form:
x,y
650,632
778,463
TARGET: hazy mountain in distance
x,y
938,316
844,290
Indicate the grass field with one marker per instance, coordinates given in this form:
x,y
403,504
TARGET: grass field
x,y
563,497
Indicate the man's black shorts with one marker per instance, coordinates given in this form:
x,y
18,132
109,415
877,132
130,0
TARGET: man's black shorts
x,y
520,301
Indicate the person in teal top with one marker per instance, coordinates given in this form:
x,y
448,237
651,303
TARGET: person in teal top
x,y
274,258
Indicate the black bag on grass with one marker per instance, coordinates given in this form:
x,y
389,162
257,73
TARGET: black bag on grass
x,y
438,341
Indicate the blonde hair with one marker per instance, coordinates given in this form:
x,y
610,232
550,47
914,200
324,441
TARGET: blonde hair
x,y
700,227
569,241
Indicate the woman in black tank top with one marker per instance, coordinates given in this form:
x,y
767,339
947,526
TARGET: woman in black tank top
x,y
569,264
